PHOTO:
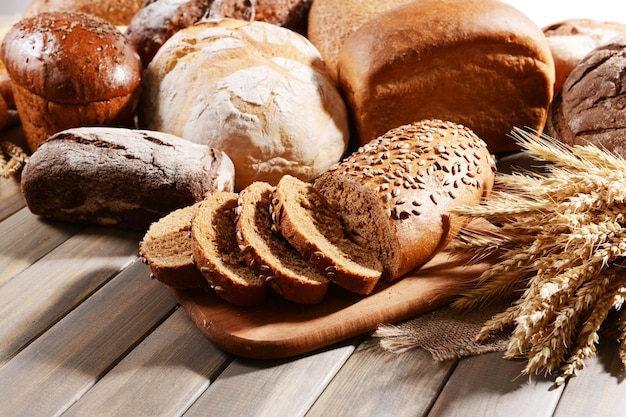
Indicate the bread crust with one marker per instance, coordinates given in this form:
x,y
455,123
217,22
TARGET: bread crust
x,y
120,177
396,195
118,12
480,63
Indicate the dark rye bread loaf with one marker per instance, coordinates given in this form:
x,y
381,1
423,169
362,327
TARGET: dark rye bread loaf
x,y
216,251
120,177
396,194
307,221
269,254
166,249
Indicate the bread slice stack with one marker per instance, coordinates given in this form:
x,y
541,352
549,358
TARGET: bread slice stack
x,y
241,250
380,213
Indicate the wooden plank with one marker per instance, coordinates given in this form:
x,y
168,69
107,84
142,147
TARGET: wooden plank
x,y
377,383
271,388
49,375
162,376
11,199
599,389
46,291
488,385
25,238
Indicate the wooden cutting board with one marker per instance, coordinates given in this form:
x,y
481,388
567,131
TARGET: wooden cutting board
x,y
280,329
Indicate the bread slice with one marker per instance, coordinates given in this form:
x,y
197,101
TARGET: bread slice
x,y
216,251
270,255
307,221
166,249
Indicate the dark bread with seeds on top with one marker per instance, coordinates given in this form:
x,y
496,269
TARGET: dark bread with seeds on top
x,y
166,249
395,195
308,222
269,254
216,251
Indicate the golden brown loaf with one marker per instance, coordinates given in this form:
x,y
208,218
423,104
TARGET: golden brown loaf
x,y
117,12
257,91
70,70
330,22
571,40
395,195
480,63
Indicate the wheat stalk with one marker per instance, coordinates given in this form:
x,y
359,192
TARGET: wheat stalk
x,y
16,158
559,240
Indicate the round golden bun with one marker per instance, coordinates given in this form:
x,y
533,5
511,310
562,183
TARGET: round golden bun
x,y
117,12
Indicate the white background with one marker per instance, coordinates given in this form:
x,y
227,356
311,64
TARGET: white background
x,y
543,12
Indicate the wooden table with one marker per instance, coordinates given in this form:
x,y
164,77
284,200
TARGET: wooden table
x,y
84,331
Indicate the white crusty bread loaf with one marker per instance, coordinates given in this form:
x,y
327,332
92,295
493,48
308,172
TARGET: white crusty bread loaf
x,y
270,255
216,252
166,249
120,177
480,63
307,221
257,91
396,195
332,21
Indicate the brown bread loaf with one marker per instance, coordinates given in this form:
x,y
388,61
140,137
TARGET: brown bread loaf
x,y
590,107
269,255
120,177
117,12
395,195
70,70
216,252
480,63
307,221
166,249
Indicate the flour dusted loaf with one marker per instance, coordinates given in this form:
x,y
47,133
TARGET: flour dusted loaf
x,y
216,252
269,254
480,63
257,91
166,249
589,110
120,177
396,195
309,223
70,70
117,12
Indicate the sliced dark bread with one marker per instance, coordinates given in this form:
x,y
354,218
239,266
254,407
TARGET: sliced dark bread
x,y
307,221
166,249
270,255
216,251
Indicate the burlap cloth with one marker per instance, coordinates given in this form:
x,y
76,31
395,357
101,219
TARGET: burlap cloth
x,y
445,333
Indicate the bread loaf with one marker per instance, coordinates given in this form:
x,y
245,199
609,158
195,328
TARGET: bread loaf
x,y
70,70
269,255
120,177
590,107
166,248
216,252
117,12
259,92
571,40
480,63
308,222
330,22
396,195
